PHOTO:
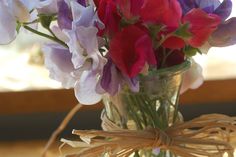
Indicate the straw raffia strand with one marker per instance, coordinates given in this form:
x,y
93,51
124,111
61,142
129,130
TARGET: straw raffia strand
x,y
206,136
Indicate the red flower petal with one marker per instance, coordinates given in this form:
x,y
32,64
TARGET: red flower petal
x,y
130,8
130,49
167,12
107,12
172,17
201,26
174,43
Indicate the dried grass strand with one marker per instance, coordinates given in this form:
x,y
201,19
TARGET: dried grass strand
x,y
60,128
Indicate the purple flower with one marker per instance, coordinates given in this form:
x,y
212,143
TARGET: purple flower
x,y
112,79
224,9
78,31
58,61
210,6
83,79
48,7
65,13
225,35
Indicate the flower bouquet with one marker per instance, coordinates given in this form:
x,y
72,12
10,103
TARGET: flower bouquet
x,y
136,56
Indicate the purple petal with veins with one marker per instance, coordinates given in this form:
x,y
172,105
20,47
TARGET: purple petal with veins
x,y
64,15
58,61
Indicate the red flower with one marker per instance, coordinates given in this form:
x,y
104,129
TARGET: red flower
x,y
167,12
130,8
201,26
174,43
107,12
130,49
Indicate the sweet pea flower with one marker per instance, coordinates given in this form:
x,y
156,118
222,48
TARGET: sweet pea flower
x,y
192,78
152,11
209,6
131,49
201,26
58,61
48,7
13,11
10,13
112,80
225,35
108,14
83,45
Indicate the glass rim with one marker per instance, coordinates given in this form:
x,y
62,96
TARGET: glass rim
x,y
173,70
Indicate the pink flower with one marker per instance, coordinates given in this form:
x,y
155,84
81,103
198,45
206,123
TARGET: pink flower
x,y
167,12
201,26
130,49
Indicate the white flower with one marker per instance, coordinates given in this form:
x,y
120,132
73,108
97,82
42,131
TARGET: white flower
x,y
10,13
192,78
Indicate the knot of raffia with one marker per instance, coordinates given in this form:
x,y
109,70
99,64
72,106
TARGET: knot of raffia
x,y
161,139
205,136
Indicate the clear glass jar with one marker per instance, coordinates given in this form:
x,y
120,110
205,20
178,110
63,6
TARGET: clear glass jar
x,y
154,106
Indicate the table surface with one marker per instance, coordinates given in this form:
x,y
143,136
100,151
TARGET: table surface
x,y
26,149
31,149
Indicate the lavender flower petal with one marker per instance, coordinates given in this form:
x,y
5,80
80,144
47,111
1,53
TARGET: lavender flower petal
x,y
85,89
187,5
7,25
58,61
111,79
224,9
48,7
225,35
207,5
64,15
82,2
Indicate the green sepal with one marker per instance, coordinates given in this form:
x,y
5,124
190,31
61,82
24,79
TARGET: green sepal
x,y
190,51
183,31
18,26
46,20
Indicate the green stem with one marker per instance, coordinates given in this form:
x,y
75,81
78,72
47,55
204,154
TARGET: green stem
x,y
32,22
131,109
177,104
165,56
141,108
45,35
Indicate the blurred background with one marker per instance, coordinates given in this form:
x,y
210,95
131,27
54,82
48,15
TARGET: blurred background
x,y
32,105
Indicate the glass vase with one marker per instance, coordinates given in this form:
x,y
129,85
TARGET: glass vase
x,y
154,106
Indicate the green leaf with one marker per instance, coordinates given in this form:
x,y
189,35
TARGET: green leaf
x,y
183,31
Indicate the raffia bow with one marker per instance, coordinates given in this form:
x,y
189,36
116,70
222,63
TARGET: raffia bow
x,y
207,136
